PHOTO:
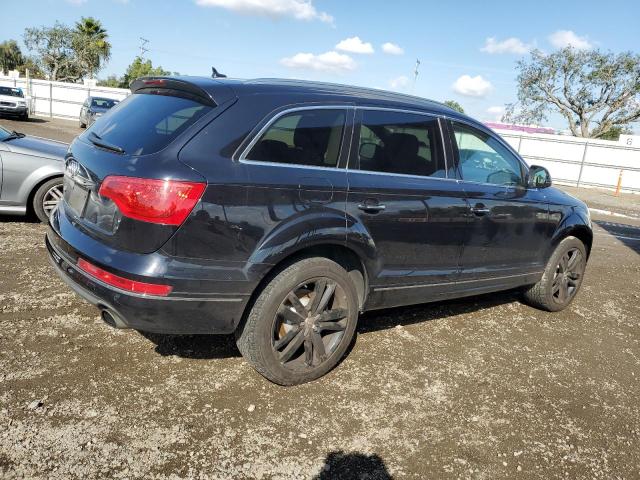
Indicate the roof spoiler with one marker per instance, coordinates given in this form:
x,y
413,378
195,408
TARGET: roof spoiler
x,y
172,87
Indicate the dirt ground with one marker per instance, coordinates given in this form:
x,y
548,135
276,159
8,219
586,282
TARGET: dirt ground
x,y
477,388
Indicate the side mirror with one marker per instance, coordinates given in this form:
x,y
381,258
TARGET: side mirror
x,y
538,177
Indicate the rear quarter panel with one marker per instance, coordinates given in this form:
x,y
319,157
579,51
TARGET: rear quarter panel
x,y
22,171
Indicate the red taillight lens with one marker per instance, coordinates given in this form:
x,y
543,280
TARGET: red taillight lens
x,y
124,283
167,202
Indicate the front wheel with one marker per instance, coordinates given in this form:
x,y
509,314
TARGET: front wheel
x,y
562,277
46,198
302,322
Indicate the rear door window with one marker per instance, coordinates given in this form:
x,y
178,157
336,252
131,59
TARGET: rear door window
x,y
145,123
400,143
305,137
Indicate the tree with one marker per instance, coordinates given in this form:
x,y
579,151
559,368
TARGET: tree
x,y
615,132
10,56
91,45
455,105
111,81
593,91
54,51
141,68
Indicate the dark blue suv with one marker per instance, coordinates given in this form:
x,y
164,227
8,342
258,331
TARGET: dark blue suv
x,y
279,210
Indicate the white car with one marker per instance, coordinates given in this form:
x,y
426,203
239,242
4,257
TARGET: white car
x,y
12,102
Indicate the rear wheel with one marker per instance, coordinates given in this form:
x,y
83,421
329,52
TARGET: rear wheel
x,y
83,125
562,277
46,198
302,322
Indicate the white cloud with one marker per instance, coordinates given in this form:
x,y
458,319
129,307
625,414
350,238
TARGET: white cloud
x,y
472,86
509,45
496,112
298,9
566,38
354,45
399,83
327,62
392,49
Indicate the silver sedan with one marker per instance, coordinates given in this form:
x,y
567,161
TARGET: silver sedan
x,y
31,171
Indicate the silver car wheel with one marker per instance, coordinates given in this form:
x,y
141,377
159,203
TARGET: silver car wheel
x,y
51,199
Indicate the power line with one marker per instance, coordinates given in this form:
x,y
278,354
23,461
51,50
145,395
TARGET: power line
x,y
143,46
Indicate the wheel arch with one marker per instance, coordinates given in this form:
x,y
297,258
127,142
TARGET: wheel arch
x,y
574,225
36,186
339,253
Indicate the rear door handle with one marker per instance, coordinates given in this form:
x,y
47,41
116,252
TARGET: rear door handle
x,y
480,210
371,207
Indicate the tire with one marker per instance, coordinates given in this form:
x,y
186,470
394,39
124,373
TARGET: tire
x,y
286,351
83,125
44,198
24,117
562,277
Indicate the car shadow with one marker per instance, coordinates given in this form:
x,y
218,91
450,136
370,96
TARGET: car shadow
x,y
340,465
627,234
205,347
29,218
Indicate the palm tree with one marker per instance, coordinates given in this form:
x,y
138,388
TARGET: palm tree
x,y
10,56
92,44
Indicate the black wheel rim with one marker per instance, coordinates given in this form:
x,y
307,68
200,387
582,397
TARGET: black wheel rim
x,y
310,324
51,199
568,276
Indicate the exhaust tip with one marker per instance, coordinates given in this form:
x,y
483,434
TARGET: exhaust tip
x,y
112,319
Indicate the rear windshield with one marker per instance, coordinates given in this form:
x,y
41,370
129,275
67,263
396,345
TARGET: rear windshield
x,y
103,102
144,123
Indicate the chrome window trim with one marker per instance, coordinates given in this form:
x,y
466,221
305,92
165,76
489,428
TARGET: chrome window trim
x,y
243,156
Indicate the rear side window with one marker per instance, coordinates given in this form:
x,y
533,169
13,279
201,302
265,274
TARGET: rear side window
x,y
145,123
305,137
404,143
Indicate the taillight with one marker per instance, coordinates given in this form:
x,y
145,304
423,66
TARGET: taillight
x,y
167,202
124,283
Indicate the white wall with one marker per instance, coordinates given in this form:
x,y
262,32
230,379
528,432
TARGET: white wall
x,y
579,161
60,99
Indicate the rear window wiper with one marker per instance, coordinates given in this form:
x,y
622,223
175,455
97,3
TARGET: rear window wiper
x,y
99,142
13,136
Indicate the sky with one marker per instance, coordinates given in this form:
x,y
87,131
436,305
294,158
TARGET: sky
x,y
467,49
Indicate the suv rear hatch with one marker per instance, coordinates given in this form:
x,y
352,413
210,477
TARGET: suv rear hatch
x,y
124,184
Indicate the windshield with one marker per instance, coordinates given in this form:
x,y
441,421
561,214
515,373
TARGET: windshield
x,y
145,123
103,102
11,92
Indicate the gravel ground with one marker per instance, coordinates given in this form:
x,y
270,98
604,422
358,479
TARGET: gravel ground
x,y
478,388
55,129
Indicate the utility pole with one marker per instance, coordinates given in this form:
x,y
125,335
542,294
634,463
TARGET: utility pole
x,y
415,74
143,47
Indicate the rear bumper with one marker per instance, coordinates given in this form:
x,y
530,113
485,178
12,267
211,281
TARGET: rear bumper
x,y
175,315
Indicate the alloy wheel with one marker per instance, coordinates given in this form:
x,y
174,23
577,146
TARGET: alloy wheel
x,y
51,199
310,324
567,276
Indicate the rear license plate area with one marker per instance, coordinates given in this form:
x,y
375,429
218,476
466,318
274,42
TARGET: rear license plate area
x,y
76,197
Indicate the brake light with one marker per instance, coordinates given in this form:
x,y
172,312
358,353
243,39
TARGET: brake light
x,y
159,81
124,283
167,202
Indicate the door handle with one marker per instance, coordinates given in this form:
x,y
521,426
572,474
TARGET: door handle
x,y
480,210
371,207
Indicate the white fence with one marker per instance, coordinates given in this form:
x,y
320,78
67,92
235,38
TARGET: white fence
x,y
580,161
59,99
